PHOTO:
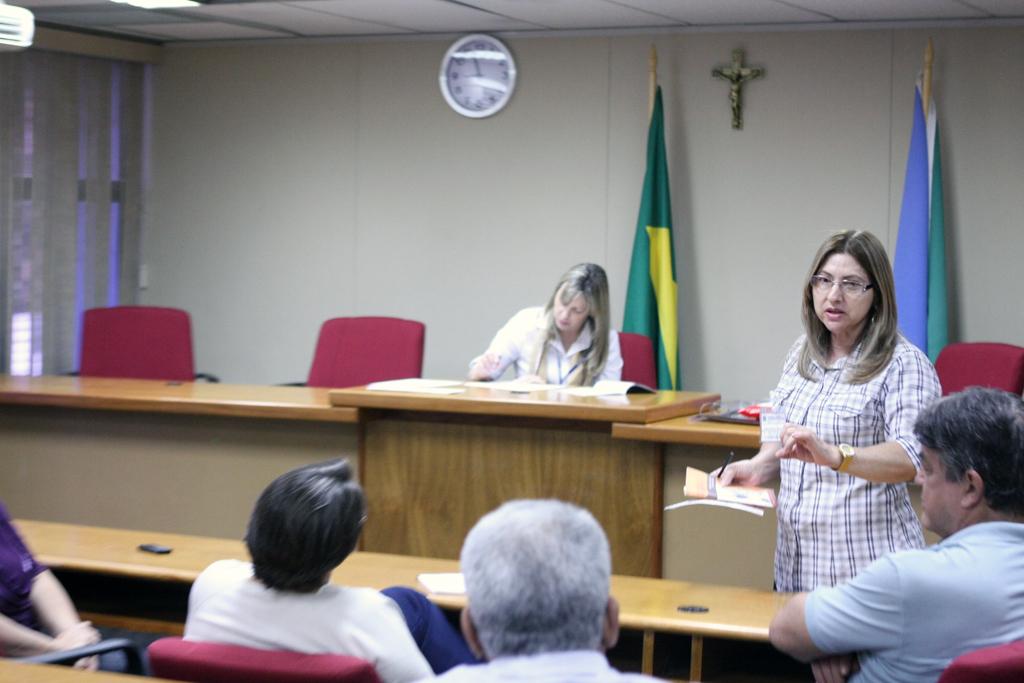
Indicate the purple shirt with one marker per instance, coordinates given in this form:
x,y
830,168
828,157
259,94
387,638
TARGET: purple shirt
x,y
17,571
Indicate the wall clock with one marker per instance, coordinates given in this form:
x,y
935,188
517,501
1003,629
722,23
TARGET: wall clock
x,y
478,75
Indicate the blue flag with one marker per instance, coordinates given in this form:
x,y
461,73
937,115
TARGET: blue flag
x,y
919,266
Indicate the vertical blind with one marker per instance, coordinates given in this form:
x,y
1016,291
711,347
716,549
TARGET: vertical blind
x,y
71,169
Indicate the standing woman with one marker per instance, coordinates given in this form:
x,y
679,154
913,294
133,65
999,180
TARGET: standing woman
x,y
568,342
850,391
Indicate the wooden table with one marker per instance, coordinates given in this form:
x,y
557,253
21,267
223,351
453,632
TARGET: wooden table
x,y
193,457
649,607
691,430
187,457
185,398
432,465
12,672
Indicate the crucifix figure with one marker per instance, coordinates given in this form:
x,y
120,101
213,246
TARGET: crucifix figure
x,y
737,75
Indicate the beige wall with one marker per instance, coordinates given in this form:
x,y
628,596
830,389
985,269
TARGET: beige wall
x,y
295,183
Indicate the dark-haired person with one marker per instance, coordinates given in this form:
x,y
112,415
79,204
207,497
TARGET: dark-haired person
x,y
569,341
305,524
36,614
910,613
850,391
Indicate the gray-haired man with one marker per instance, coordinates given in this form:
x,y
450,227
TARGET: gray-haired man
x,y
537,582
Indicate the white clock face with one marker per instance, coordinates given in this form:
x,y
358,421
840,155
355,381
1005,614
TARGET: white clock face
x,y
478,76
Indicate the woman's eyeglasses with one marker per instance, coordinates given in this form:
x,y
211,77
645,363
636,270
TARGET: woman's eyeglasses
x,y
824,283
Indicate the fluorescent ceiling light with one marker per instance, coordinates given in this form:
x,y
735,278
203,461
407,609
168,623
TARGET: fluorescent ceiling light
x,y
158,4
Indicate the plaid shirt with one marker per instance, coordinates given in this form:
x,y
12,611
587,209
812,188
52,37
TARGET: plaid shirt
x,y
832,525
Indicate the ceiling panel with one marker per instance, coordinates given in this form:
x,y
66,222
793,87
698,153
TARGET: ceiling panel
x,y
259,19
575,14
718,12
1001,8
115,15
33,4
201,30
295,19
887,10
430,16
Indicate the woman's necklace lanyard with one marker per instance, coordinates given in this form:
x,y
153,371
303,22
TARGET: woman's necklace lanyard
x,y
561,377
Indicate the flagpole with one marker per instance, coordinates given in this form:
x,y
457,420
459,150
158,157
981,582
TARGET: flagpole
x,y
926,94
653,80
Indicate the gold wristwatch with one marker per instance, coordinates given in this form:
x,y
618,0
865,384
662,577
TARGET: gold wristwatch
x,y
846,450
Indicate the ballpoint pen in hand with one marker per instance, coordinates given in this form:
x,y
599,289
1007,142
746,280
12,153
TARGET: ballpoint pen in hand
x,y
732,454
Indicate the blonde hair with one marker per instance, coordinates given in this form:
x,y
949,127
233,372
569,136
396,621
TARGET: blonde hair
x,y
878,338
589,281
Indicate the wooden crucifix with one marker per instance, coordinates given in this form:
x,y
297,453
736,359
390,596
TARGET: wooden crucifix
x,y
737,75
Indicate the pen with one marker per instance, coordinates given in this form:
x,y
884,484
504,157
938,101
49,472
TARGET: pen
x,y
732,454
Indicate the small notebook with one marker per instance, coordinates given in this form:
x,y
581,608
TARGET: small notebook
x,y
705,488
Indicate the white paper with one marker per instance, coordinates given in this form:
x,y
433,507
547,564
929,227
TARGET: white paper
x,y
418,385
444,583
515,386
606,387
717,503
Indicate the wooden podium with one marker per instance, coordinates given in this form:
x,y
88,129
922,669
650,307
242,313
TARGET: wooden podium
x,y
432,465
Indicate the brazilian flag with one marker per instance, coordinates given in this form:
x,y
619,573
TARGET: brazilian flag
x,y
651,297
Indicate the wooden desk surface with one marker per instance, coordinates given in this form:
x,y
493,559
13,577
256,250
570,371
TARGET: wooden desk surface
x,y
634,408
687,429
646,604
38,673
192,398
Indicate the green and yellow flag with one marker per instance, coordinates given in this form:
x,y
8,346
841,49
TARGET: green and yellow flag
x,y
651,297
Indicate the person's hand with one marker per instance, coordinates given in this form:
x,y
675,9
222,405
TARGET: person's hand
x,y
742,472
530,379
78,635
801,443
834,669
87,663
485,367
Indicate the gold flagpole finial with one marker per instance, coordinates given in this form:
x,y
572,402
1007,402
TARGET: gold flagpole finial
x,y
653,84
926,86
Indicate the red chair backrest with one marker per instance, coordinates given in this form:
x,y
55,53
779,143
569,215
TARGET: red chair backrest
x,y
997,664
984,364
638,359
355,351
139,342
184,660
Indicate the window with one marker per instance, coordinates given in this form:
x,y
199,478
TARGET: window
x,y
71,160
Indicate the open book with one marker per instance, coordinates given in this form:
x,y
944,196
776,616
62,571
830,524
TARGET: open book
x,y
705,489
609,387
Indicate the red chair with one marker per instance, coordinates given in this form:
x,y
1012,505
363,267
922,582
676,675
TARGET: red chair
x,y
997,664
138,342
355,351
984,364
638,359
184,660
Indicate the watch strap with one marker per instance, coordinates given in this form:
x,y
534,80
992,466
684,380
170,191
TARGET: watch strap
x,y
846,450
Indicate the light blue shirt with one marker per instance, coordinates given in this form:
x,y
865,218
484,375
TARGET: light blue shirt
x,y
911,612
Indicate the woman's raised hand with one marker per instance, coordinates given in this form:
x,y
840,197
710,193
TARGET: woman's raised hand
x,y
801,443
